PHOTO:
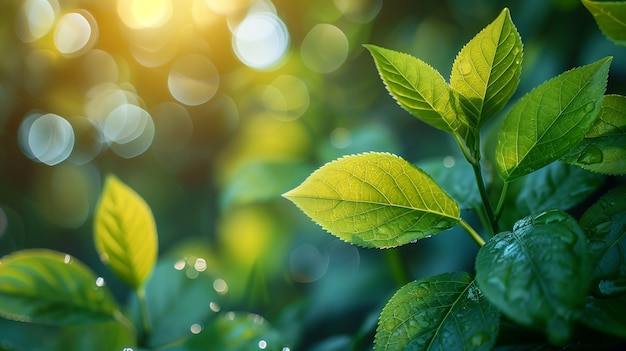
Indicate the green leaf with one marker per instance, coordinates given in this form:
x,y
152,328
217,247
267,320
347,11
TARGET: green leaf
x,y
456,177
418,88
486,71
549,121
605,226
44,286
173,293
442,312
538,275
610,17
125,233
603,149
556,186
103,336
606,315
375,200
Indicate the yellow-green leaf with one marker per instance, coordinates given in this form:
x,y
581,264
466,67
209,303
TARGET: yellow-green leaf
x,y
610,17
125,233
50,287
375,200
486,71
418,88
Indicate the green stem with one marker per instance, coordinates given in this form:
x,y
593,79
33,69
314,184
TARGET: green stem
x,y
477,238
398,269
121,318
493,223
143,308
505,188
474,160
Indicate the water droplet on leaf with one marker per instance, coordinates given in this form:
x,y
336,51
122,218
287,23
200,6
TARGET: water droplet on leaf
x,y
479,339
590,155
465,67
590,106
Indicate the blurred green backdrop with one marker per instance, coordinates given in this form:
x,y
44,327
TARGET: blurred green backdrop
x,y
211,109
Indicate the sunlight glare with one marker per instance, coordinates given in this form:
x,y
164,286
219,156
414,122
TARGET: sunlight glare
x,y
137,14
47,138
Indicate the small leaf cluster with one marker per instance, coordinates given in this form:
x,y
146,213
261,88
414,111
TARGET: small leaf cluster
x,y
539,268
174,306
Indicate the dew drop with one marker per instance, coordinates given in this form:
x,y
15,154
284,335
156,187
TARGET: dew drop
x,y
590,155
590,106
465,67
67,259
128,349
479,339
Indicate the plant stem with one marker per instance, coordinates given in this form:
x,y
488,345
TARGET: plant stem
x,y
398,269
474,159
493,222
505,188
477,238
143,309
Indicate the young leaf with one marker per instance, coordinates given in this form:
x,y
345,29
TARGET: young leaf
x,y
605,226
602,150
538,275
486,71
49,287
418,88
556,186
125,233
442,312
610,17
550,120
606,315
375,200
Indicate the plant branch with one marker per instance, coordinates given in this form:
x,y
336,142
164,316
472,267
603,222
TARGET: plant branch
x,y
468,228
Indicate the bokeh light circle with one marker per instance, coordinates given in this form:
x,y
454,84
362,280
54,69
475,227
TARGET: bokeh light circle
x,y
137,14
130,129
193,80
35,20
359,11
46,138
261,40
287,97
325,48
75,33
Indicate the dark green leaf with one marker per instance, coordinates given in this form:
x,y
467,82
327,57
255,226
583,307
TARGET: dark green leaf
x,y
557,186
442,312
125,233
486,72
605,226
606,314
456,177
375,200
418,88
49,287
539,274
178,295
610,17
549,121
603,149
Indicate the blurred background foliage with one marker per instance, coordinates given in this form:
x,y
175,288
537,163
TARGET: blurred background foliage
x,y
211,109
